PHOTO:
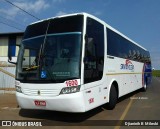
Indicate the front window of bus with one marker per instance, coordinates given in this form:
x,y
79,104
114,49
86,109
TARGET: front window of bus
x,y
52,55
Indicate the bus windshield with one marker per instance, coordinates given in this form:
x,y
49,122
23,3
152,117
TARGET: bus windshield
x,y
51,57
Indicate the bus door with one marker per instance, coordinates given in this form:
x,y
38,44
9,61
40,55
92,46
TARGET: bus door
x,y
93,63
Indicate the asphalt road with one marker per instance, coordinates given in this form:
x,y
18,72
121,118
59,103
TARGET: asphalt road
x,y
139,107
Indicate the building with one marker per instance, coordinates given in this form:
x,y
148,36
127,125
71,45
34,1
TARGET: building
x,y
8,43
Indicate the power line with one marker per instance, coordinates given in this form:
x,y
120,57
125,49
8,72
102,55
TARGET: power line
x,y
11,26
22,9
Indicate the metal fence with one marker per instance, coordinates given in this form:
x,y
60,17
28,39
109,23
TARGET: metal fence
x,y
7,78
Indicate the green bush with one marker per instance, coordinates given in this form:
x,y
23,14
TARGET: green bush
x,y
156,73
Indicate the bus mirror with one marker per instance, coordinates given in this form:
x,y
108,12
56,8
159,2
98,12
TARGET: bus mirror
x,y
9,56
10,59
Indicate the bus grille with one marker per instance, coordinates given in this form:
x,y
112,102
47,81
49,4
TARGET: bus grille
x,y
41,92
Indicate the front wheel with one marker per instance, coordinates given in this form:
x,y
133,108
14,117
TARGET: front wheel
x,y
112,98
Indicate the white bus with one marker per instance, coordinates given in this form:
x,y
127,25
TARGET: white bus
x,y
76,62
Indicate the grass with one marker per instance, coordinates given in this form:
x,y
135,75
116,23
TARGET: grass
x,y
156,73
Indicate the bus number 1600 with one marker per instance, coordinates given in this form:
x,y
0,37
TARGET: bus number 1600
x,y
72,83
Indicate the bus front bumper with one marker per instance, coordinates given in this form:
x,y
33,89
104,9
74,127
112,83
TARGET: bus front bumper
x,y
66,102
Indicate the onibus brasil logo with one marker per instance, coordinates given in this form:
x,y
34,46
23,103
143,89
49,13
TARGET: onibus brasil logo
x,y
127,66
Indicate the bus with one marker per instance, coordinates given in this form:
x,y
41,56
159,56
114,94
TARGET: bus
x,y
77,62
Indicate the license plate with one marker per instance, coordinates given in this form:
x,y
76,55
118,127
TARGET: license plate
x,y
40,103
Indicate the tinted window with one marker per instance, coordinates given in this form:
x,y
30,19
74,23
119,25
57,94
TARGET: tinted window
x,y
120,47
94,51
36,29
66,24
56,25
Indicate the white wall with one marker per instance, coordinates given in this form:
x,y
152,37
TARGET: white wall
x,y
7,81
3,47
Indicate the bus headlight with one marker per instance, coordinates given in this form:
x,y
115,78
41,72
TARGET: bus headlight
x,y
68,90
17,83
18,89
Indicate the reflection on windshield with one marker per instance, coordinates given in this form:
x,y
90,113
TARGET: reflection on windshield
x,y
57,59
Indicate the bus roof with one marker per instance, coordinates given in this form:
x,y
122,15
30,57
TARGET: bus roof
x,y
101,21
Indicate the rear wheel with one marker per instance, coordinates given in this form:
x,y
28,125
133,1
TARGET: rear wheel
x,y
144,89
112,98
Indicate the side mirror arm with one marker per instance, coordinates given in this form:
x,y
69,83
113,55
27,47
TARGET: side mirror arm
x,y
12,62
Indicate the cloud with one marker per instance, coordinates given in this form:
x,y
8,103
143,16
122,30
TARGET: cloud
x,y
60,1
10,12
29,6
61,13
155,59
35,6
98,13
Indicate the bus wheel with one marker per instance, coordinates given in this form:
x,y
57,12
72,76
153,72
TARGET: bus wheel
x,y
113,98
144,89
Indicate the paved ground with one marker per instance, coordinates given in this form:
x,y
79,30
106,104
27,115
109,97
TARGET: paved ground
x,y
135,106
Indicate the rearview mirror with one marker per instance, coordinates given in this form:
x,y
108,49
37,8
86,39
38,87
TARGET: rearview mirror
x,y
10,58
10,61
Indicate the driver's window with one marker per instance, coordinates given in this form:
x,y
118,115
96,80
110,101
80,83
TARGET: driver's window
x,y
94,51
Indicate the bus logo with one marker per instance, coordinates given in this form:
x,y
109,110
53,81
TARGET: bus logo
x,y
127,66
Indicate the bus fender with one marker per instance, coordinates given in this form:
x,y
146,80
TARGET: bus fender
x,y
113,81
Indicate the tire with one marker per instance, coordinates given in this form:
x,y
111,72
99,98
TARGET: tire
x,y
144,89
113,97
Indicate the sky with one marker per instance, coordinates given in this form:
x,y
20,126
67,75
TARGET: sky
x,y
137,19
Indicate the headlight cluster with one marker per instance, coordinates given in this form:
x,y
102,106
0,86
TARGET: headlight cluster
x,y
17,85
18,89
68,90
